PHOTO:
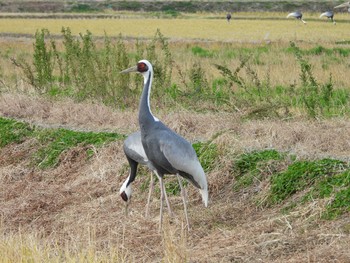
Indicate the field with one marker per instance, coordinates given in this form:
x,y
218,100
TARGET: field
x,y
245,27
263,99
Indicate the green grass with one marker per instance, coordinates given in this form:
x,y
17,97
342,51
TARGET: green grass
x,y
56,141
337,189
13,131
207,153
300,175
248,167
82,68
52,142
308,180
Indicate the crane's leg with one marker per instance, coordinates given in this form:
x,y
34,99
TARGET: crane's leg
x,y
167,203
165,195
127,208
151,186
183,194
162,191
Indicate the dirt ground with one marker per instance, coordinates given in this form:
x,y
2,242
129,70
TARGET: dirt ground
x,y
78,202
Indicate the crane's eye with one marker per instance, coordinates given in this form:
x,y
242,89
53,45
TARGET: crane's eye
x,y
142,67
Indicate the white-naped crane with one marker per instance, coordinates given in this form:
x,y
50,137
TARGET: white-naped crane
x,y
346,4
329,15
228,17
297,15
167,151
135,154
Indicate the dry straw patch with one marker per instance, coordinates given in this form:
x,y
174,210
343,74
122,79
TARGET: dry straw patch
x,y
76,206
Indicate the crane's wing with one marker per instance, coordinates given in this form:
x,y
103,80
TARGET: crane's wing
x,y
181,155
327,14
291,14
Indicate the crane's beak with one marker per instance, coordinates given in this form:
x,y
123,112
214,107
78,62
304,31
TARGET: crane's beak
x,y
132,69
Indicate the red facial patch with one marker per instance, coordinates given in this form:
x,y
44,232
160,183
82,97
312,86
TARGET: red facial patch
x,y
142,67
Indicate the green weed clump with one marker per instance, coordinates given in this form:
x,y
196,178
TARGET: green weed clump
x,y
300,175
52,142
201,52
13,131
337,189
83,69
262,98
56,141
316,99
207,153
311,180
249,167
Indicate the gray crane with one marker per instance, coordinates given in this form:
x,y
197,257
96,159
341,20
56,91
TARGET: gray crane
x,y
297,15
167,152
329,15
135,154
228,17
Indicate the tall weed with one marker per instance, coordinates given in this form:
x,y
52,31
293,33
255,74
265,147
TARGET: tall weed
x,y
85,69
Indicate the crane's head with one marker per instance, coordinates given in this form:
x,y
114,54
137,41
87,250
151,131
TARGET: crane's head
x,y
143,66
125,191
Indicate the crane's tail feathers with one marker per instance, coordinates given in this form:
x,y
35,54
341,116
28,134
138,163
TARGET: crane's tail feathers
x,y
205,196
291,14
323,14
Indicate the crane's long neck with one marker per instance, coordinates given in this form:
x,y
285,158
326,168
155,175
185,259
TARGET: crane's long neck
x,y
145,114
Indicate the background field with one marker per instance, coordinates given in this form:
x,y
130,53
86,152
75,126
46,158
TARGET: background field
x,y
263,99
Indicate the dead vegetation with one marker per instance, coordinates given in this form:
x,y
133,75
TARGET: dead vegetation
x,y
76,206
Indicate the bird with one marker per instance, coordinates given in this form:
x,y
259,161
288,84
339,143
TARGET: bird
x,y
329,15
228,17
297,15
167,151
346,4
136,155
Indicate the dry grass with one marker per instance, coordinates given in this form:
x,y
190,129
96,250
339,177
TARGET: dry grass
x,y
76,209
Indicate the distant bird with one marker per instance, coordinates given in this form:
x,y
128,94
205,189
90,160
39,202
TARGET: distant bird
x,y
329,15
346,4
228,17
297,15
167,152
136,155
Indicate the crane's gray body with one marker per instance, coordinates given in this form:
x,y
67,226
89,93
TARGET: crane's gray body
x,y
135,154
328,14
167,152
133,148
296,14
